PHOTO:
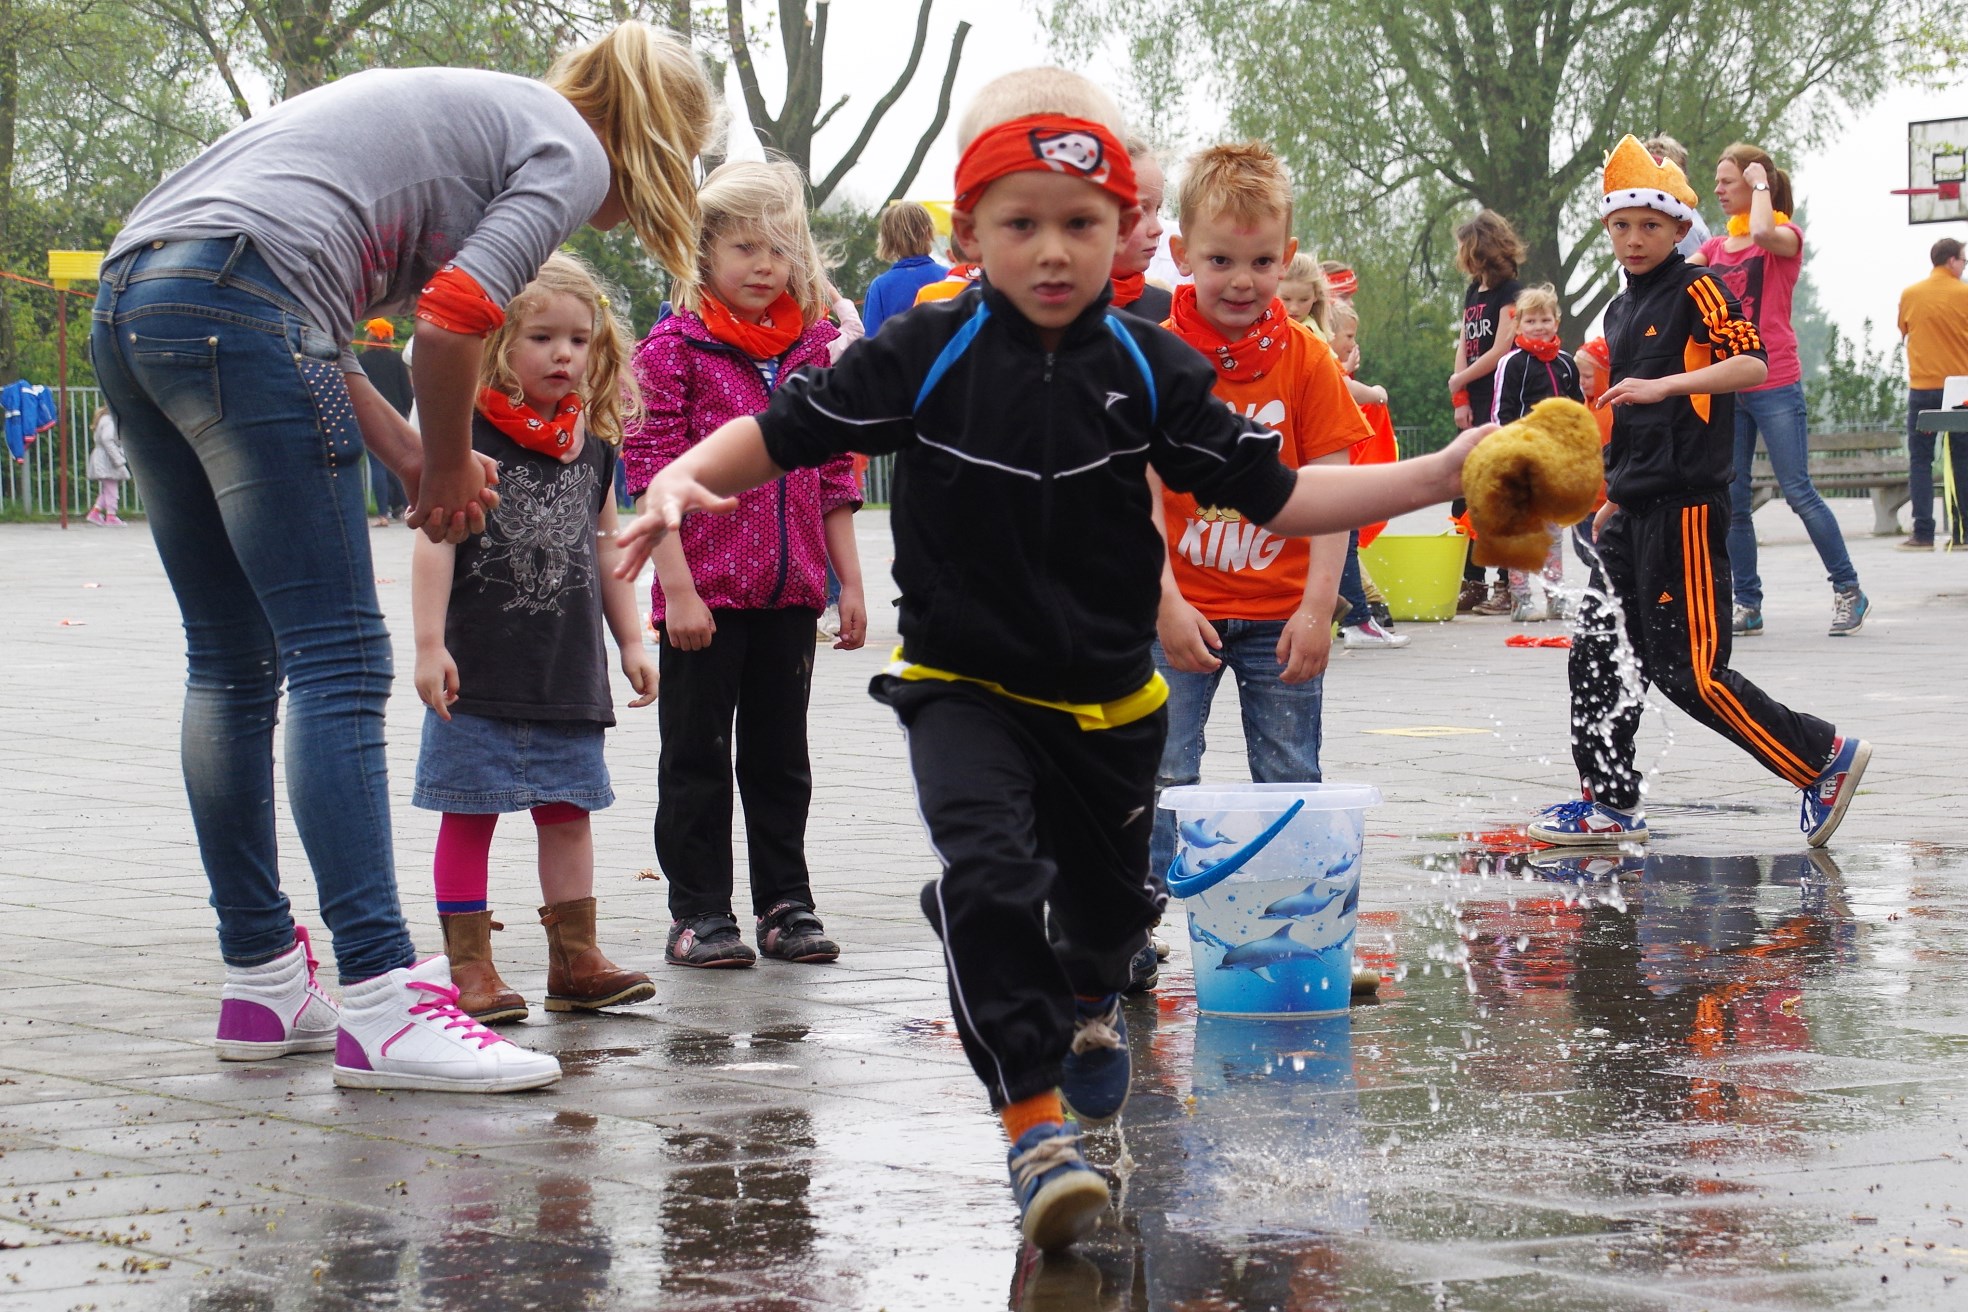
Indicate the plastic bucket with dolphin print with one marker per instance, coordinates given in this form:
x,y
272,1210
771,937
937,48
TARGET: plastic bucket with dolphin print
x,y
1270,877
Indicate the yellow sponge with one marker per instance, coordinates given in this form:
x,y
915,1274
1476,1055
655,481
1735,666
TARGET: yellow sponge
x,y
1543,470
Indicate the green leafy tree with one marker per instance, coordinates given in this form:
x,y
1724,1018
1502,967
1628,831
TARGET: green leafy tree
x,y
1862,386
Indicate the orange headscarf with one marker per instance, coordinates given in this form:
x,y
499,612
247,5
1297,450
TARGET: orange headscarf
x,y
1053,143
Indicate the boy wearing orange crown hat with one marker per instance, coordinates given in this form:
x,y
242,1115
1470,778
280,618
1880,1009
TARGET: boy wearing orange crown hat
x,y
1679,347
1024,416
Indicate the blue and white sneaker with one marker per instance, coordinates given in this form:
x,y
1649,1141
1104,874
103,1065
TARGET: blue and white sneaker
x,y
1826,799
1591,868
1060,1197
1144,969
1094,1078
1586,823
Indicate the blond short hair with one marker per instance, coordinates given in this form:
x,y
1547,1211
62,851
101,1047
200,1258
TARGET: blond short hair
x,y
907,228
1543,297
1243,182
1343,316
767,197
647,97
1038,91
609,398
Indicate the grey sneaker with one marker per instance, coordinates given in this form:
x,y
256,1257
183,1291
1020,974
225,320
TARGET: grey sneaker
x,y
1849,609
1747,621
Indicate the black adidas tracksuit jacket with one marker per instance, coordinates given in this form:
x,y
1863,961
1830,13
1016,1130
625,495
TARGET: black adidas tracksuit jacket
x,y
1665,555
1028,557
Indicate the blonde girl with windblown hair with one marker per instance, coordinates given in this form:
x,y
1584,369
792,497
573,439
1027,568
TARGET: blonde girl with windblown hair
x,y
737,596
243,277
509,643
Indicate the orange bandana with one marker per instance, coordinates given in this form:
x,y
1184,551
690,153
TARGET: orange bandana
x,y
1343,282
1128,290
550,437
1248,358
455,302
1076,147
1545,348
762,341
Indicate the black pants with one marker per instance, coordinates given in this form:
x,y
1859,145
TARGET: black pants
x,y
758,670
1668,566
1024,810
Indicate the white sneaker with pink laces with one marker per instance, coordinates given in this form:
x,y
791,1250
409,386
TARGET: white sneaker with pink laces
x,y
275,1008
403,1030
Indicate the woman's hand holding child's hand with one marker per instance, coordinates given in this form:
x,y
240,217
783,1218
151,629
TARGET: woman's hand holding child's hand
x,y
437,680
642,675
687,622
853,610
451,503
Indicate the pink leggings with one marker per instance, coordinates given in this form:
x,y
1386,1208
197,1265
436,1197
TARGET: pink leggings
x,y
463,867
108,490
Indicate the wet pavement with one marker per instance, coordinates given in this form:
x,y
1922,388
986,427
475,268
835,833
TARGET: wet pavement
x,y
1730,1074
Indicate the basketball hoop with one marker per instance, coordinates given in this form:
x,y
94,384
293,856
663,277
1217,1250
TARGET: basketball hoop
x,y
1937,170
1945,190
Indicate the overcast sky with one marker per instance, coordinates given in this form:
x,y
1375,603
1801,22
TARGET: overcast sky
x,y
1864,250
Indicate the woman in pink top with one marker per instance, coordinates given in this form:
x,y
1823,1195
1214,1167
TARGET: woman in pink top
x,y
1759,260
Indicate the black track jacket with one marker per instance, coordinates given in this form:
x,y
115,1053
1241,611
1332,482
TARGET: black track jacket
x,y
1024,543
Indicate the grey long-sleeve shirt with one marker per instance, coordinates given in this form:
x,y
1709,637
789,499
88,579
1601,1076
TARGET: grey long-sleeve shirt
x,y
357,192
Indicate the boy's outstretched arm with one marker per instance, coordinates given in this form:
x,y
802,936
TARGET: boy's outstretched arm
x,y
1735,374
1336,498
707,477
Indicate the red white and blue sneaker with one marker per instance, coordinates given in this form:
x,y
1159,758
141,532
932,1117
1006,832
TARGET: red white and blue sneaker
x,y
1060,1197
1094,1078
1586,823
1826,799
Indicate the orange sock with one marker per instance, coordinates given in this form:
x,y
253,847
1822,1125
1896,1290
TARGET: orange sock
x,y
1028,1112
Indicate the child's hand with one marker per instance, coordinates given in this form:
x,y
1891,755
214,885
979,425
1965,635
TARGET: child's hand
x,y
853,610
1464,416
1600,518
1634,391
451,503
1456,452
437,681
687,622
669,499
1188,640
1380,395
641,671
1305,646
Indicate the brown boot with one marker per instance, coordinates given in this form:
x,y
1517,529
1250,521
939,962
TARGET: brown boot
x,y
579,978
482,995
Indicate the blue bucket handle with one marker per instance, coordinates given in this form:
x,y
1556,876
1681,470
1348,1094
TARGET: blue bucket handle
x,y
1189,885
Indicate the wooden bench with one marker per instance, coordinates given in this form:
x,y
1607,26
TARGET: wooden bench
x,y
1874,461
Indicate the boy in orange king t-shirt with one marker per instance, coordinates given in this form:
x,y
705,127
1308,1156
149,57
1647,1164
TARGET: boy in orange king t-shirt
x,y
1234,594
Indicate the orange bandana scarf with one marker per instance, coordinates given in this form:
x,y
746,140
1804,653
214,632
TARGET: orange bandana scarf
x,y
455,302
550,437
762,341
1128,290
1246,359
1343,282
1739,223
1545,349
1076,147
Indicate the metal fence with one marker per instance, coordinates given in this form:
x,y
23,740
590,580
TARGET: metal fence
x,y
32,488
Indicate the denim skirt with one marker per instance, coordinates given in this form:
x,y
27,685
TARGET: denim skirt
x,y
479,765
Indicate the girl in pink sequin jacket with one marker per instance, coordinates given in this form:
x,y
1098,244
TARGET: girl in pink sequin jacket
x,y
772,552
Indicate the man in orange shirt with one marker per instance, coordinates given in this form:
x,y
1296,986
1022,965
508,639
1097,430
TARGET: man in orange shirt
x,y
1234,594
1934,321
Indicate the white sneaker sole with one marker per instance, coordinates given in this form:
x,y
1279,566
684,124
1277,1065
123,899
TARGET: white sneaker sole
x,y
239,1050
1586,840
1065,1211
1860,758
354,1079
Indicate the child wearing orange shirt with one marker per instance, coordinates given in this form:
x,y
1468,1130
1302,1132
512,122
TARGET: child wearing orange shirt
x,y
1234,594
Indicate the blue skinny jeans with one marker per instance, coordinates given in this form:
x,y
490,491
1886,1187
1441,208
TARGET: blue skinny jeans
x,y
1778,413
236,417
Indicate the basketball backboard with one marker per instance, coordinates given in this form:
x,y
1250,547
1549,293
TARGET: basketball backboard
x,y
1937,169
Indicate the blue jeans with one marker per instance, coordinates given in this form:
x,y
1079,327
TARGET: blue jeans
x,y
1350,586
1920,468
1281,721
236,418
386,490
1779,414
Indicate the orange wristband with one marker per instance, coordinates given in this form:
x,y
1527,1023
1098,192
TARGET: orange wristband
x,y
455,302
1460,397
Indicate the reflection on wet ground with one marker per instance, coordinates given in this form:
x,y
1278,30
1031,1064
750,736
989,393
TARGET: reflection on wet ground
x,y
1592,1081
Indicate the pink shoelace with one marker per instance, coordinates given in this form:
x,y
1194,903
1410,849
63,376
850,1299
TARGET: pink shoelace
x,y
307,950
443,1005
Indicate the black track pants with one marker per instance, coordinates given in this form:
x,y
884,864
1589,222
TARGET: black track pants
x,y
1025,809
1668,566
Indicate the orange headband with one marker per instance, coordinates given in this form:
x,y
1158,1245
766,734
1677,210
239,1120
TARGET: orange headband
x,y
1073,146
1343,282
1600,351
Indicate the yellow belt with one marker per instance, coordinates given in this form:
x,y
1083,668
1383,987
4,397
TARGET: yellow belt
x,y
1139,704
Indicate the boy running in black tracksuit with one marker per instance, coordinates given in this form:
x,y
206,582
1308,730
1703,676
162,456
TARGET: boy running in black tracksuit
x,y
1024,417
1680,348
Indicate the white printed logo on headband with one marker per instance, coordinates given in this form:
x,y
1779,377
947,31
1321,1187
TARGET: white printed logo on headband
x,y
1078,152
